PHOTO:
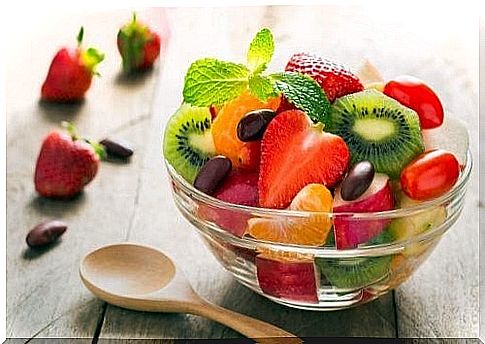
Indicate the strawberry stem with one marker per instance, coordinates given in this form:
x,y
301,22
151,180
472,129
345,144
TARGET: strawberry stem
x,y
71,129
80,36
134,18
98,149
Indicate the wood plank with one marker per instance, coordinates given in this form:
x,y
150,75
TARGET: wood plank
x,y
157,222
441,299
45,295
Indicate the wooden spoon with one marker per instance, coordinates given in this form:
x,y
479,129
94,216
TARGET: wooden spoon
x,y
144,279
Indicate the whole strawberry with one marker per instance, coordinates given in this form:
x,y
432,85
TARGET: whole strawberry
x,y
138,45
335,80
66,163
70,73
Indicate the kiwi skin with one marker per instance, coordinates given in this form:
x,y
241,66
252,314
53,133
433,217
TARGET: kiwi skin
x,y
377,128
187,142
353,273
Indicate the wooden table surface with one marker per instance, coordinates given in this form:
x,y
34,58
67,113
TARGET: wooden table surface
x,y
45,297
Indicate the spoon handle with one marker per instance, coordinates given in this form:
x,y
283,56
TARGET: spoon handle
x,y
250,327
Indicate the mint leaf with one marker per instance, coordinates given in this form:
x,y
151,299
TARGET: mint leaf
x,y
303,92
262,87
213,82
260,51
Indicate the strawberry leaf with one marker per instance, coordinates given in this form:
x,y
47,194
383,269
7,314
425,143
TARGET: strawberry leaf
x,y
91,58
305,93
80,36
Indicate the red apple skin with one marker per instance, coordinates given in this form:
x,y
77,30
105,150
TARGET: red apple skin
x,y
351,232
291,280
239,187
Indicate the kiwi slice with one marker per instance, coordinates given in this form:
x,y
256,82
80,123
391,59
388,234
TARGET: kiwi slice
x,y
377,128
187,144
352,273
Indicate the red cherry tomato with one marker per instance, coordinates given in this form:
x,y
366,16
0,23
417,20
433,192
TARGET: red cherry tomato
x,y
430,175
415,94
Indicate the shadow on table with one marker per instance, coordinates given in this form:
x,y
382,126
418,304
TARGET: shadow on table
x,y
133,79
57,207
58,112
36,252
375,316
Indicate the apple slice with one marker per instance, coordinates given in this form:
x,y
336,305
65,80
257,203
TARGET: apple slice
x,y
239,187
288,278
349,231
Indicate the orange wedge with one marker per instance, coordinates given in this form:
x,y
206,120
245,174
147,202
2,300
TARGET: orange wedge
x,y
312,230
224,130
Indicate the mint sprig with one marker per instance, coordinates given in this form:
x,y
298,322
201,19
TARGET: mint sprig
x,y
213,82
305,93
260,51
262,87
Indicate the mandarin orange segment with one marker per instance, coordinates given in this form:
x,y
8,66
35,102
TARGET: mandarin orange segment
x,y
312,230
224,130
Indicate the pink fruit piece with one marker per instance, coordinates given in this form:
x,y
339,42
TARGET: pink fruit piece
x,y
292,279
239,187
350,232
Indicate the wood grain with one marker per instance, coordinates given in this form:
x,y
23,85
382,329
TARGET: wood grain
x,y
133,201
45,296
157,221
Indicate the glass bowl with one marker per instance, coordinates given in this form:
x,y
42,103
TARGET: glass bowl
x,y
319,278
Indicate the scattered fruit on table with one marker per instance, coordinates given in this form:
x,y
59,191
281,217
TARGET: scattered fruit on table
x,y
45,233
212,173
353,273
188,143
287,277
117,148
357,180
66,163
312,230
138,45
452,136
252,126
294,153
415,94
225,130
379,129
70,73
335,79
350,231
430,175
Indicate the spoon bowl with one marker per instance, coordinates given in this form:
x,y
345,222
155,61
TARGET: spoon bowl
x,y
142,278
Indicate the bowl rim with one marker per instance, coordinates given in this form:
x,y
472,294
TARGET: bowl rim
x,y
327,251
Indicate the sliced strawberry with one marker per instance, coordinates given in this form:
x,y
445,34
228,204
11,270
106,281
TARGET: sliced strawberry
x,y
335,79
295,153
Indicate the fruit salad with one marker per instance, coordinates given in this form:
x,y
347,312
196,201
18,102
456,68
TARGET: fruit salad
x,y
316,138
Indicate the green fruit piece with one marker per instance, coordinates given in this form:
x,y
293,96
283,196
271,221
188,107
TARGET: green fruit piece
x,y
409,226
352,273
377,128
187,144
